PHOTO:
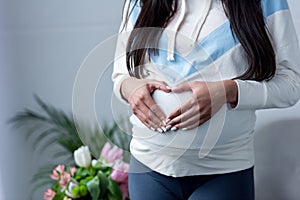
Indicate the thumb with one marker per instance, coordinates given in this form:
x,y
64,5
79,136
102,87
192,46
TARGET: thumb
x,y
182,87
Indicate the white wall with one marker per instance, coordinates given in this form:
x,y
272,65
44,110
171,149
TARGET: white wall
x,y
42,46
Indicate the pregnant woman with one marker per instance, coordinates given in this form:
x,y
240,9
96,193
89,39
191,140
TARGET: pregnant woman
x,y
194,72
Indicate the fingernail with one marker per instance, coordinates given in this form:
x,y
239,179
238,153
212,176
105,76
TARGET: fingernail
x,y
168,87
174,128
164,128
169,127
168,120
184,129
159,130
153,129
164,122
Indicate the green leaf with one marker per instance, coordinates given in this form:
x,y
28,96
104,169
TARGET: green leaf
x,y
83,172
86,180
93,188
114,191
56,187
59,196
102,167
103,183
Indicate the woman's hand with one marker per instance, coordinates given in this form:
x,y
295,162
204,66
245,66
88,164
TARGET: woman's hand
x,y
138,94
207,99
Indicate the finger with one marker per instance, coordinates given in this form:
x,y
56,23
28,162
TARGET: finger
x,y
145,120
146,104
189,115
183,108
182,87
190,122
142,111
202,121
150,123
150,114
155,109
158,85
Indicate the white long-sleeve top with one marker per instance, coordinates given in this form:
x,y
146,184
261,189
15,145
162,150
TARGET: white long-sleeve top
x,y
198,45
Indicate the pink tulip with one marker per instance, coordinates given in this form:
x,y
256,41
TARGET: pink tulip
x,y
124,189
120,172
49,195
72,171
64,179
111,154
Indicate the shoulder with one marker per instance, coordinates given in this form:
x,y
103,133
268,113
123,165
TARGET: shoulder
x,y
279,22
271,7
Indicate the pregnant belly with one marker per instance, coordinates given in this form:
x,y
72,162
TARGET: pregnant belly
x,y
168,102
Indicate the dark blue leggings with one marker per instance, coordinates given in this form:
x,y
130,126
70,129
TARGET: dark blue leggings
x,y
145,184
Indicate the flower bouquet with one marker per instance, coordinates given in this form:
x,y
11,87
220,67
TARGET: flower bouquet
x,y
52,128
104,178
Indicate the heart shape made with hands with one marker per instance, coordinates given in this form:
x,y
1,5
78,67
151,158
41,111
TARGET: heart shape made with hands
x,y
168,102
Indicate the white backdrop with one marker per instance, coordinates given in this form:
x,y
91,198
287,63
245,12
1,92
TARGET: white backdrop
x,y
42,46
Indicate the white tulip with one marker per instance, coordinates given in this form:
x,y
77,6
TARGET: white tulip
x,y
70,188
94,162
82,156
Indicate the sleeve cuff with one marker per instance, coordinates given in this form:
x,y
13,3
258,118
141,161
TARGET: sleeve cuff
x,y
251,95
117,89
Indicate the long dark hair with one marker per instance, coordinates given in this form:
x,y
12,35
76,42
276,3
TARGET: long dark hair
x,y
246,22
